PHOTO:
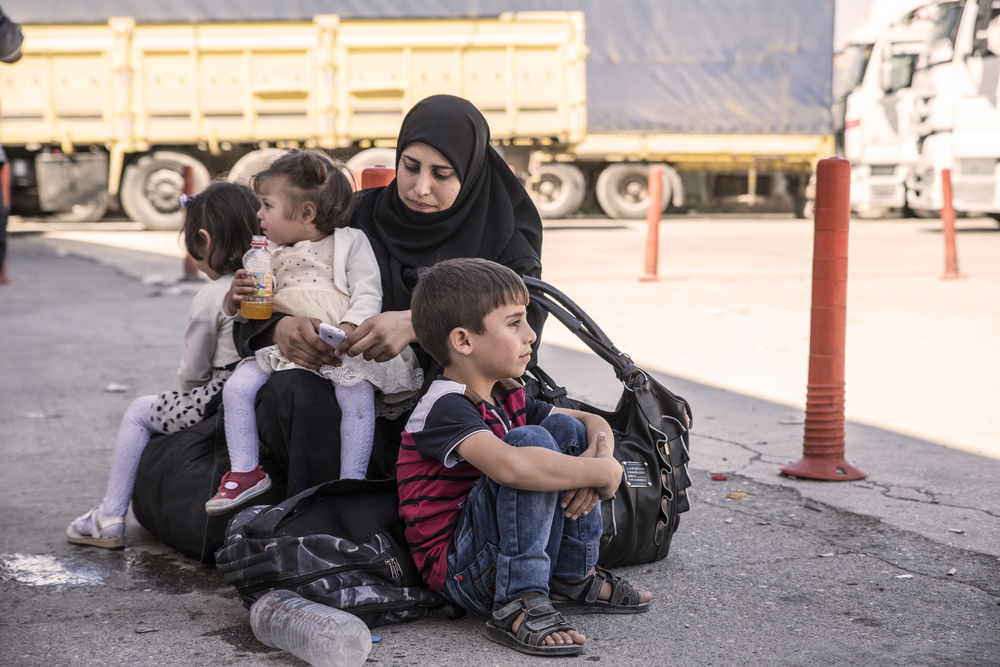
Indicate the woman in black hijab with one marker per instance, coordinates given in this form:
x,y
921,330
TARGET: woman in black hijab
x,y
453,196
491,216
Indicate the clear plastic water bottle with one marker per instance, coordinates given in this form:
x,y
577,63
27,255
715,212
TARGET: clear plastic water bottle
x,y
322,636
257,261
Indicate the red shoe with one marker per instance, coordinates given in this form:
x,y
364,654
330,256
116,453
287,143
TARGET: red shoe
x,y
236,489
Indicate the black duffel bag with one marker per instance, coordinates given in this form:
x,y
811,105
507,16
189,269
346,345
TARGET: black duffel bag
x,y
650,426
178,473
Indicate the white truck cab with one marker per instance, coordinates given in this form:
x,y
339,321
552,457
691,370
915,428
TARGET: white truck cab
x,y
956,114
878,135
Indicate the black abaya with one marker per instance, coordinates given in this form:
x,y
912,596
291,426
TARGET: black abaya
x,y
492,218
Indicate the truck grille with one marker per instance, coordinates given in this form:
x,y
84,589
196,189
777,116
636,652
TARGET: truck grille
x,y
977,166
883,191
974,193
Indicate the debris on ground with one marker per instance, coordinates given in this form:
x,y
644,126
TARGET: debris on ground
x,y
42,415
719,478
737,495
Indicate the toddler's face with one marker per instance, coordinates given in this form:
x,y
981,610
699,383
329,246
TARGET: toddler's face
x,y
278,221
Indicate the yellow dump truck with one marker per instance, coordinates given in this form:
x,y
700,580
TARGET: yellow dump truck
x,y
733,100
120,109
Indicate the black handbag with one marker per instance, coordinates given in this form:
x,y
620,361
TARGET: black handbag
x,y
650,426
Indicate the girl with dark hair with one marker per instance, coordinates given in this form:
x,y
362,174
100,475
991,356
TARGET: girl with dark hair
x,y
325,271
453,196
218,226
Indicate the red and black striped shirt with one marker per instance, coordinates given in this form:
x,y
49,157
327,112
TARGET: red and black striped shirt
x,y
433,479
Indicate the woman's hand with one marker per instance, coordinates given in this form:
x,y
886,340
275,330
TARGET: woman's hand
x,y
298,339
242,287
381,337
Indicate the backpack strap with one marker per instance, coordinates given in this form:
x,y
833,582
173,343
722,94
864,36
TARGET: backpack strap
x,y
266,523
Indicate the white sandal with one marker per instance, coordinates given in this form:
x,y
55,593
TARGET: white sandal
x,y
99,523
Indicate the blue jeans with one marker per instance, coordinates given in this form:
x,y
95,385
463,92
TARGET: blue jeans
x,y
509,542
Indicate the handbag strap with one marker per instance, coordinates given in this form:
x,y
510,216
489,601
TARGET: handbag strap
x,y
549,391
573,318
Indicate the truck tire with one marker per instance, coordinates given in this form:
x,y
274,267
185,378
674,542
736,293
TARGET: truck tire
x,y
151,188
558,189
808,210
252,164
92,211
622,190
676,193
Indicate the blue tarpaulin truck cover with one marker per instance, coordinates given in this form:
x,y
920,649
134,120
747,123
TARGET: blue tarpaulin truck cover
x,y
655,66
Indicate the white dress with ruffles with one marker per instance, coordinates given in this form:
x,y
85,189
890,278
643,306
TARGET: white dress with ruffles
x,y
336,279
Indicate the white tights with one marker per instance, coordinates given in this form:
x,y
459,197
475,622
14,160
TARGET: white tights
x,y
133,436
357,421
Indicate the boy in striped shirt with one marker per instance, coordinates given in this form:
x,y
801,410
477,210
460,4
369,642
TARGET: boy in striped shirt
x,y
501,492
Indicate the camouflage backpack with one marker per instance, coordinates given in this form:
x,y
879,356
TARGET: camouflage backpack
x,y
339,543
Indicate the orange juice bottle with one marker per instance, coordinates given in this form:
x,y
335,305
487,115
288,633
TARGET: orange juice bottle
x,y
257,261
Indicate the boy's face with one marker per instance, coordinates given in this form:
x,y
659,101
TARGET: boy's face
x,y
505,349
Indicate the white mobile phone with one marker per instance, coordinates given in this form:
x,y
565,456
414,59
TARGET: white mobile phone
x,y
332,336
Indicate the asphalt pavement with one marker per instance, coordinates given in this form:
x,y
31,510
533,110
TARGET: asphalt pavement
x,y
900,568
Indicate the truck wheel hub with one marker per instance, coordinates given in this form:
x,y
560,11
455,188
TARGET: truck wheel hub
x,y
548,189
634,191
163,190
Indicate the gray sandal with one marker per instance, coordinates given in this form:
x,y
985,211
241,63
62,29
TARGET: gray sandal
x,y
583,595
96,536
540,621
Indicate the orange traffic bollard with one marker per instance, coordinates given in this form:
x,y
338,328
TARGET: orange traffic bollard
x,y
655,193
948,230
823,446
5,184
190,268
377,176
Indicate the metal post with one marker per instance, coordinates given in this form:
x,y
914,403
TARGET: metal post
x,y
948,230
5,185
823,445
190,268
653,211
5,194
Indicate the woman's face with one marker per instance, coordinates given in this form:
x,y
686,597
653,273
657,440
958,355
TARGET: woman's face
x,y
425,180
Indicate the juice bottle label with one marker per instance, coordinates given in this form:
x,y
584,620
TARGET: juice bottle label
x,y
265,283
